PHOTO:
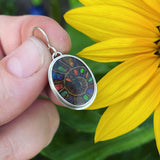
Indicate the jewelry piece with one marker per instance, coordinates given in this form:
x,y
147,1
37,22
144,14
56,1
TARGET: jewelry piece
x,y
70,79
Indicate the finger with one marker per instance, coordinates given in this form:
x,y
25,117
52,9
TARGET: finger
x,y
23,76
22,27
28,134
15,30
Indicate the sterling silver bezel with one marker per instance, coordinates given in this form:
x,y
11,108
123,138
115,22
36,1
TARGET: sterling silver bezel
x,y
56,93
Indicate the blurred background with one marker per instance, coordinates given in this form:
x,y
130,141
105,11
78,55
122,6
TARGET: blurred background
x,y
37,7
74,139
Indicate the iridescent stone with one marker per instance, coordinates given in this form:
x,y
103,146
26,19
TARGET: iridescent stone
x,y
72,81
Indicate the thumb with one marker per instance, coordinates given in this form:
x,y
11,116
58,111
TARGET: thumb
x,y
23,76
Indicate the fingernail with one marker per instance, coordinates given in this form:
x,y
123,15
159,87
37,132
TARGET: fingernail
x,y
26,59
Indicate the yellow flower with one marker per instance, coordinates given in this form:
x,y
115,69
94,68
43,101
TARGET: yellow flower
x,y
126,31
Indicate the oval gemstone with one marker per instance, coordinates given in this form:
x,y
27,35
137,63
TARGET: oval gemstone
x,y
72,82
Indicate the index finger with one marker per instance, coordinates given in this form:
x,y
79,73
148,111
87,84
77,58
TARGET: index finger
x,y
15,30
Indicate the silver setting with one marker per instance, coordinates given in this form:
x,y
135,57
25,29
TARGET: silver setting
x,y
53,51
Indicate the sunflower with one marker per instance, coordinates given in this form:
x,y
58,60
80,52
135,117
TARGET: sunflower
x,y
126,31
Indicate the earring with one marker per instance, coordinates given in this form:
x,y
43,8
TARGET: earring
x,y
70,79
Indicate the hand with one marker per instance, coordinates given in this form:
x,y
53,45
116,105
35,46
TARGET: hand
x,y
27,124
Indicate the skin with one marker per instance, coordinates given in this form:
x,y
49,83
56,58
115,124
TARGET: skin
x,y
27,124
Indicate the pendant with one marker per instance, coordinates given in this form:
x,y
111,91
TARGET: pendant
x,y
70,79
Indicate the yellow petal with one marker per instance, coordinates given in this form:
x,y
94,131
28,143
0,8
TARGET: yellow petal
x,y
124,80
157,126
114,2
107,21
118,49
154,4
136,5
130,113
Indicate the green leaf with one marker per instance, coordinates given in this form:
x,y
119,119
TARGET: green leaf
x,y
40,157
55,10
79,149
74,3
85,121
147,151
78,39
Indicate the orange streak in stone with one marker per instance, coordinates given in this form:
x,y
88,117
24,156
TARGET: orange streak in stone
x,y
87,75
70,62
75,71
68,79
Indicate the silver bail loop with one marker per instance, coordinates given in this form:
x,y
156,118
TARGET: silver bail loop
x,y
53,51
